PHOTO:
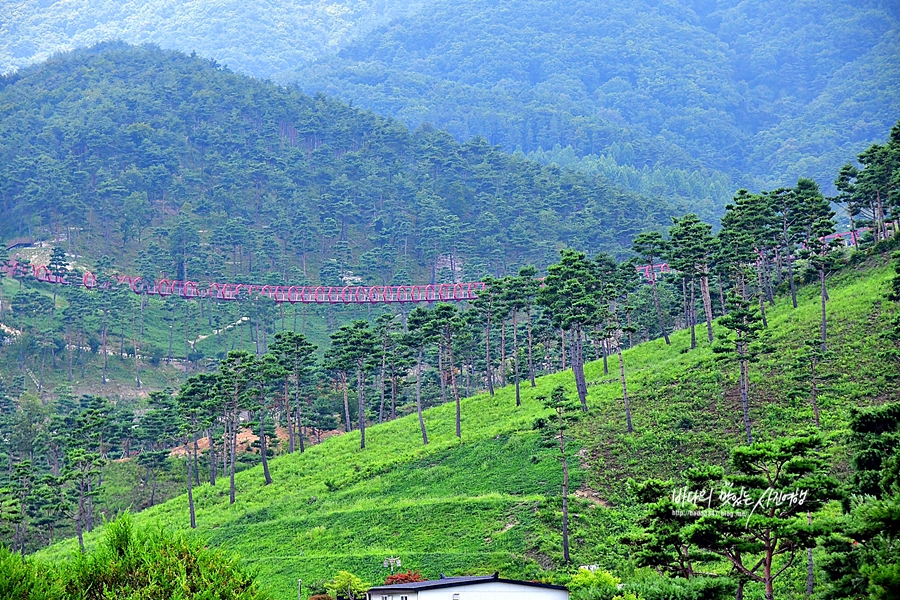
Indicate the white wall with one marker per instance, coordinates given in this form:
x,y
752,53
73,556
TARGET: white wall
x,y
493,590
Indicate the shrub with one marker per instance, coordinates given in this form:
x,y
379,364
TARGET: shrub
x,y
347,586
22,579
154,564
406,577
698,588
593,585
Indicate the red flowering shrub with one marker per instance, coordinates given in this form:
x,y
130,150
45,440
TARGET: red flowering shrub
x,y
407,577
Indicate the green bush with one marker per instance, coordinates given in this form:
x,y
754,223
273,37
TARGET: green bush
x,y
698,588
153,565
22,579
593,585
347,586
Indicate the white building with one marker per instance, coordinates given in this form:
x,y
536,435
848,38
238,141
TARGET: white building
x,y
489,587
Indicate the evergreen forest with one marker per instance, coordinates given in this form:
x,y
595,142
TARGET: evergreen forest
x,y
653,395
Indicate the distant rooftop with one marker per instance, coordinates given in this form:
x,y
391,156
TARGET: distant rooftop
x,y
444,582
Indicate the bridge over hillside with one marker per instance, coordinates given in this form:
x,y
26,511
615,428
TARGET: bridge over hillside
x,y
311,294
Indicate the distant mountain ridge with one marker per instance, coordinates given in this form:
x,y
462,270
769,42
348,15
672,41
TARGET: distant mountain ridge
x,y
264,39
266,184
762,91
755,92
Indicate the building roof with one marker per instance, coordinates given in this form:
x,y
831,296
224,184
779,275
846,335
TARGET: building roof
x,y
445,582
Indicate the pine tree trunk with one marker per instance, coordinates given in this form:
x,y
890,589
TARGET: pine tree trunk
x,y
233,452
624,388
453,385
393,395
707,306
721,293
659,316
790,262
489,377
346,402
212,457
530,351
745,392
381,379
361,399
263,451
562,336
578,367
419,396
196,460
814,392
761,293
288,415
824,293
79,517
503,352
190,486
441,375
300,427
692,315
516,357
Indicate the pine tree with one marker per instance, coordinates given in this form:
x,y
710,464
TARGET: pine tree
x,y
651,248
553,431
692,242
570,294
745,325
354,347
235,378
444,325
817,222
419,335
296,356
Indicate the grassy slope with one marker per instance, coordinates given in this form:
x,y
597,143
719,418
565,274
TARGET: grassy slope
x,y
491,502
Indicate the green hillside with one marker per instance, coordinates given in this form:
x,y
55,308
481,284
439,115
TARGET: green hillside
x,y
491,501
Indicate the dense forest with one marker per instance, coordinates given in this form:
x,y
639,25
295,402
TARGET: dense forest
x,y
263,39
628,350
761,91
756,92
70,182
124,147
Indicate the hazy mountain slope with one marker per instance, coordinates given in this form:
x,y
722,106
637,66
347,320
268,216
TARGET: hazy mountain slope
x,y
754,91
491,501
712,85
127,143
260,38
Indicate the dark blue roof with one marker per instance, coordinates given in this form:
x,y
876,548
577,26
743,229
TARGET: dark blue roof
x,y
457,581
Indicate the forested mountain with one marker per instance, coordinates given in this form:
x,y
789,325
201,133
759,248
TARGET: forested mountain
x,y
143,153
264,39
763,91
675,97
